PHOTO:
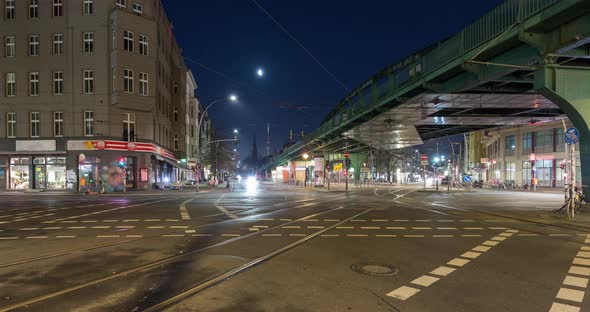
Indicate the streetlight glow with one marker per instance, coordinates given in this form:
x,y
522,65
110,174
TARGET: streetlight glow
x,y
235,130
233,98
305,156
260,72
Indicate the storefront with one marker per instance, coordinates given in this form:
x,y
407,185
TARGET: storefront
x,y
19,173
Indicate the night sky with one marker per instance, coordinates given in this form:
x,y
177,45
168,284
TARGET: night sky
x,y
226,41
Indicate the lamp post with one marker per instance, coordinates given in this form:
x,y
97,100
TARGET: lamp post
x,y
231,98
305,156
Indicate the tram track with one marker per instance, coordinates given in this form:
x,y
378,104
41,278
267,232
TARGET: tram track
x,y
146,267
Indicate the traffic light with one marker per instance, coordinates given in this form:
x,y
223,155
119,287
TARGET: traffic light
x,y
121,162
235,140
347,163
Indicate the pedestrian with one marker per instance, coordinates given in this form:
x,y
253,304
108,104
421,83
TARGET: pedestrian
x,y
227,186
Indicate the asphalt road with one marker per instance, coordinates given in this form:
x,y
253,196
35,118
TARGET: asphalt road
x,y
385,248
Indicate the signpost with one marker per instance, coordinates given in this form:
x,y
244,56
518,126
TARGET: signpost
x,y
424,162
572,135
346,155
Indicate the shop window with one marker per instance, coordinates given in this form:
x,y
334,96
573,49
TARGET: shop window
x,y
527,143
19,173
509,146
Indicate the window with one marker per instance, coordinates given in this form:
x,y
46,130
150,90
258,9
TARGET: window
x,y
11,125
122,3
88,42
129,127
510,171
526,172
88,7
527,143
128,81
58,44
88,123
559,140
88,81
543,141
58,8
34,84
10,49
33,8
175,114
137,8
11,84
175,87
35,125
114,81
114,38
143,84
58,124
58,83
176,142
128,41
10,9
509,146
143,45
34,45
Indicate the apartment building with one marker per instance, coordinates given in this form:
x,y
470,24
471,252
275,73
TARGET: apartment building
x,y
521,154
94,93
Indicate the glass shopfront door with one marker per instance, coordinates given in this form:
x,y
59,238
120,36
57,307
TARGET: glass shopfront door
x,y
56,173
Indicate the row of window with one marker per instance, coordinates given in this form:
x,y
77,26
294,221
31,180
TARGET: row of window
x,y
58,125
543,141
57,47
58,8
87,83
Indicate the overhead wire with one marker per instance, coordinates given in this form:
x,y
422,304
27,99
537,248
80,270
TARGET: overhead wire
x,y
300,45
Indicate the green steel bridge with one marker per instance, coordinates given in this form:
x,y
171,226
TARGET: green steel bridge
x,y
525,61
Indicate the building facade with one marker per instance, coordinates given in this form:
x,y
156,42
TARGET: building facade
x,y
94,94
521,154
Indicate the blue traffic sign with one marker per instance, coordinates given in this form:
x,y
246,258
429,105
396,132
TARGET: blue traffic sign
x,y
572,135
467,179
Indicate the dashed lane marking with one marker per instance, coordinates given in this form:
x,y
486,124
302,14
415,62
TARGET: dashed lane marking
x,y
405,292
65,236
271,235
385,235
291,227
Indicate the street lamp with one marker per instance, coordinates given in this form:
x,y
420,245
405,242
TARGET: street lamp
x,y
260,72
305,156
231,98
236,131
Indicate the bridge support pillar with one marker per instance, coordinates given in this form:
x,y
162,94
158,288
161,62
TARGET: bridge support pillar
x,y
568,88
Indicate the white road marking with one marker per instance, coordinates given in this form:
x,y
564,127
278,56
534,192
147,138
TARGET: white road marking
x,y
310,220
385,235
52,228
481,248
179,226
75,227
101,227
89,221
421,228
442,271
8,237
345,227
331,220
472,228
570,294
498,238
413,235
528,234
330,235
297,235
490,243
202,235
133,236
152,220
575,281
560,307
28,229
222,209
357,235
445,220
358,220
379,220
108,236
583,254
316,227
446,228
291,227
173,235
458,262
579,270
398,220
36,237
423,220
286,220
230,235
471,255
189,231
442,235
131,220
370,227
470,235
65,236
497,228
581,261
156,227
403,292
425,280
272,235
560,235
171,220
395,228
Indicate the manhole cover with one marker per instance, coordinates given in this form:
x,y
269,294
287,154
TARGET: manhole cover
x,y
374,269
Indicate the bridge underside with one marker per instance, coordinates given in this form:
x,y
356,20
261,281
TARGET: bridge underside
x,y
429,116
